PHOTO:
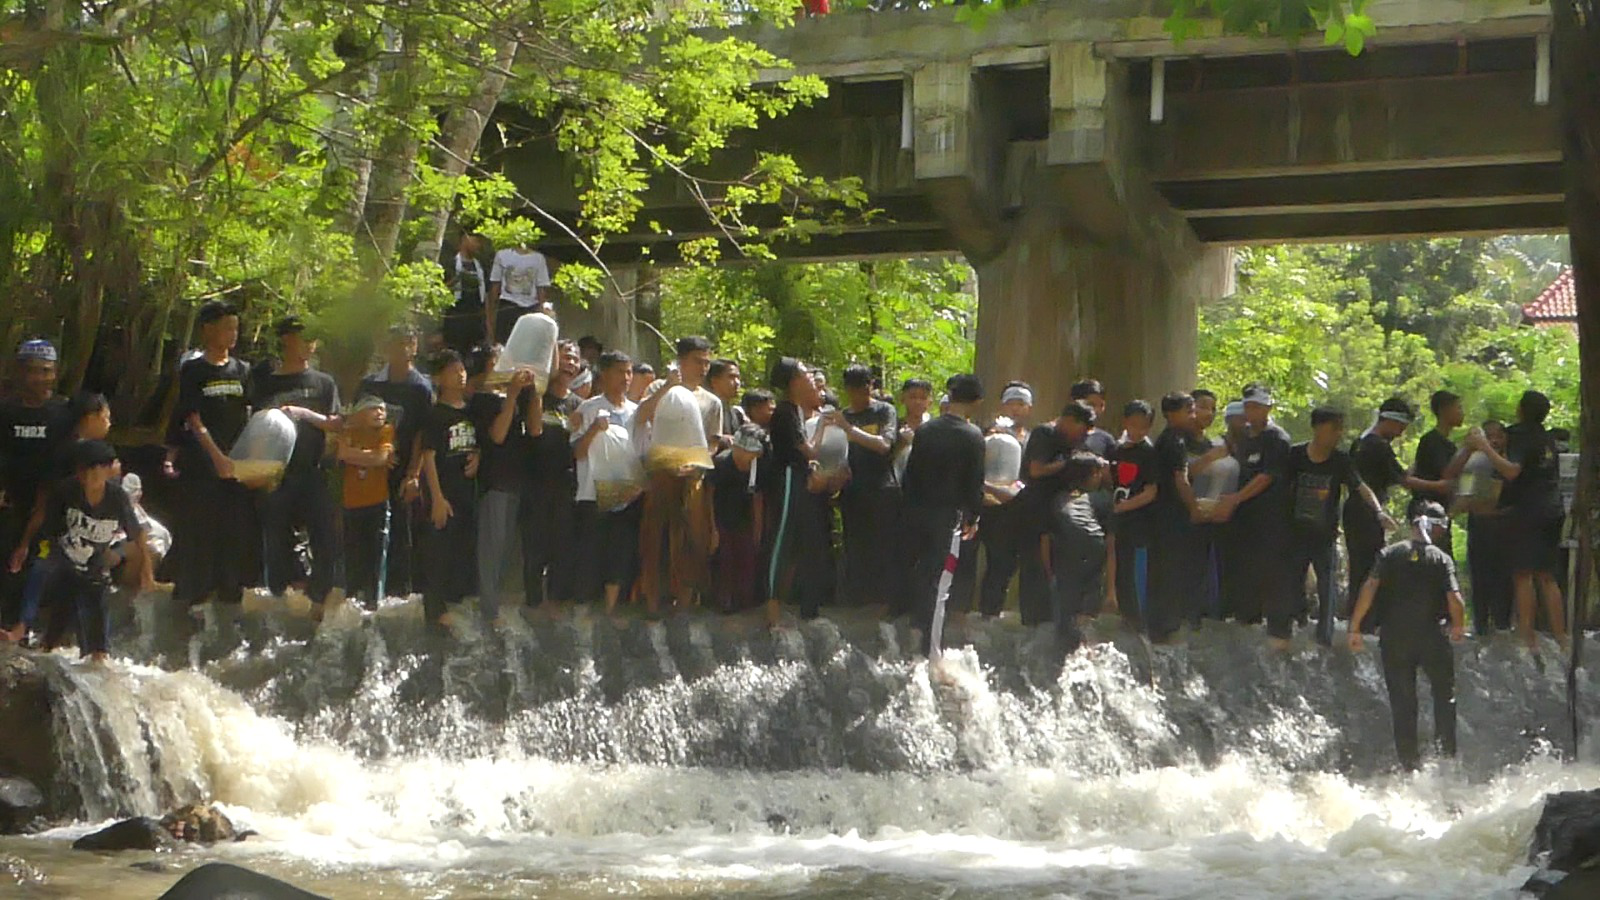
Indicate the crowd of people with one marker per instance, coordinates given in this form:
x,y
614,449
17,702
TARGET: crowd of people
x,y
614,485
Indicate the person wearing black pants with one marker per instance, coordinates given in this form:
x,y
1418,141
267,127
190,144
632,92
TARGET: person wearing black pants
x,y
549,515
1134,470
1381,471
34,425
213,406
1319,473
943,491
1044,462
1259,511
1411,588
408,395
794,535
869,502
310,398
450,465
1078,548
1177,548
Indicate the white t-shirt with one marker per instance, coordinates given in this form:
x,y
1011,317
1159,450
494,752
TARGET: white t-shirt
x,y
520,275
587,410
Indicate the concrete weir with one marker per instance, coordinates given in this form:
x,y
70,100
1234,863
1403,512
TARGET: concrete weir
x,y
1094,172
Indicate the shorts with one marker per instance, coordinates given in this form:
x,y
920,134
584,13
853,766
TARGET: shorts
x,y
1535,543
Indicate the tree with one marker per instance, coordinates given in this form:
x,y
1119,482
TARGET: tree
x,y
302,154
913,317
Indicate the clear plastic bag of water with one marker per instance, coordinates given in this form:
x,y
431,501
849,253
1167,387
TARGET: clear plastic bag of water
x,y
618,473
1002,459
833,452
532,345
1477,490
679,433
263,448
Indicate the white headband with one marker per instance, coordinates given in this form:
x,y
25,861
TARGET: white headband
x,y
1395,416
1017,392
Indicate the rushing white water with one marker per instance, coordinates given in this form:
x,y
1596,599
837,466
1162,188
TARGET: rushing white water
x,y
573,759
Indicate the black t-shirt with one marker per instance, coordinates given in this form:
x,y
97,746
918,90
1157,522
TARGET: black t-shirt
x,y
503,466
31,438
407,403
311,389
869,469
1083,515
1099,442
1045,445
1315,488
1537,488
945,471
731,496
1435,452
1377,465
220,394
1414,579
551,458
1266,453
77,529
1135,467
1172,457
788,438
452,436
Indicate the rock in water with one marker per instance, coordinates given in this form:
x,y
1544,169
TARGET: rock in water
x,y
20,802
214,880
28,750
205,824
1568,830
141,833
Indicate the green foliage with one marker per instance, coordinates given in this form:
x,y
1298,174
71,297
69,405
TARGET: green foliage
x,y
1350,325
908,317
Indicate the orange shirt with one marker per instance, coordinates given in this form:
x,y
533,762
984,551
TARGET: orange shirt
x,y
367,485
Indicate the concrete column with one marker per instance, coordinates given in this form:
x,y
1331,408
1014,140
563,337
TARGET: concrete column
x,y
621,317
1056,306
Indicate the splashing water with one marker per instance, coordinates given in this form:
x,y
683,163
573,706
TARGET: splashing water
x,y
700,757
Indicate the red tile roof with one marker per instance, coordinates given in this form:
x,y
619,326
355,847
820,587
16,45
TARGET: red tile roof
x,y
1556,303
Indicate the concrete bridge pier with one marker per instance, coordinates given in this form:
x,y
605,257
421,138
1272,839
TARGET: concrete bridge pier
x,y
1056,306
624,317
1084,270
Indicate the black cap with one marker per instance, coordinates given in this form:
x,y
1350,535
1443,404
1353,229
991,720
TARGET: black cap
x,y
289,325
212,310
88,454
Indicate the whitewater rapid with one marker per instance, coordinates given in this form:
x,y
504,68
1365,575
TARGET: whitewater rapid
x,y
570,760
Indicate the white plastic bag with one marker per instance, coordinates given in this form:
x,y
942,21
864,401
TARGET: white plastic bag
x,y
618,474
263,449
1002,459
532,344
1477,490
833,452
678,432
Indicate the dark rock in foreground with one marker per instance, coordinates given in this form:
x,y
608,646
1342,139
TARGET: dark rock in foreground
x,y
28,750
214,880
20,803
1568,831
139,833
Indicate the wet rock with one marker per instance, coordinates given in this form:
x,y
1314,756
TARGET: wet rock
x,y
199,823
1549,885
214,880
139,833
20,802
1567,838
28,750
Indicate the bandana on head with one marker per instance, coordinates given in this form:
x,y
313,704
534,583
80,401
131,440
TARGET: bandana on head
x,y
1017,392
1395,416
37,348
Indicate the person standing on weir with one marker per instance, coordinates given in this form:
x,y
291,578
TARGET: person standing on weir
x,y
1413,586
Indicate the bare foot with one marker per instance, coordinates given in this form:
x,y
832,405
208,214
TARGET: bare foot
x,y
1279,644
13,634
100,658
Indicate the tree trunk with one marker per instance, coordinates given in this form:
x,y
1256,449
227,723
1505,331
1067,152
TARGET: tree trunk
x,y
458,142
396,160
1577,51
348,172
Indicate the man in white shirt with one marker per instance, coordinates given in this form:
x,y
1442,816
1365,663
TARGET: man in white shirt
x,y
677,508
520,277
609,538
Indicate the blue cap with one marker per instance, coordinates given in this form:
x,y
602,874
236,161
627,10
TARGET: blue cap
x,y
37,348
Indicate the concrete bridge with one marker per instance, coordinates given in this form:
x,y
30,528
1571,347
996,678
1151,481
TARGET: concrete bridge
x,y
1094,173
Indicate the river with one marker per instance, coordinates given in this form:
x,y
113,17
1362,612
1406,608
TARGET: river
x,y
703,757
